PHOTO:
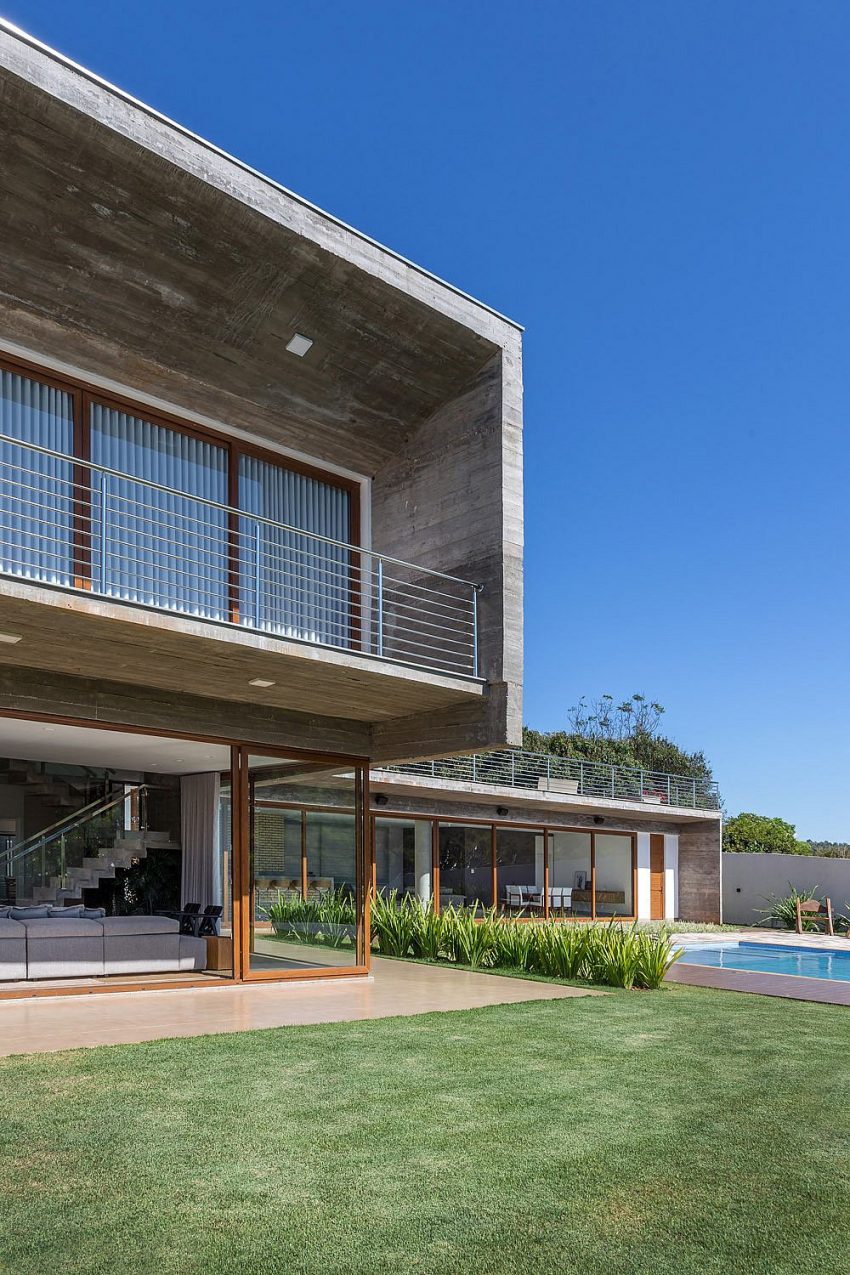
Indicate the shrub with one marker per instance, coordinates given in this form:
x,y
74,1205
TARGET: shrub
x,y
393,924
784,909
608,954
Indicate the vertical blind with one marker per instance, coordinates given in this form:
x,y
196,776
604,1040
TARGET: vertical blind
x,y
170,548
160,548
292,584
36,492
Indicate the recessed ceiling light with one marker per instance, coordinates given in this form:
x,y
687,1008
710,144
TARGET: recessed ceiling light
x,y
11,639
299,344
260,681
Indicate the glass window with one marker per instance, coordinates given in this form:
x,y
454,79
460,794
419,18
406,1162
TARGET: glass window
x,y
569,874
403,857
466,866
306,894
156,547
614,876
293,584
36,491
519,870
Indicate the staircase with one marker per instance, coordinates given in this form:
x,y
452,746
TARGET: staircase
x,y
128,849
77,852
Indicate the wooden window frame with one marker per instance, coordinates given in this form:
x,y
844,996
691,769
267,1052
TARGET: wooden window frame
x,y
240,750
84,394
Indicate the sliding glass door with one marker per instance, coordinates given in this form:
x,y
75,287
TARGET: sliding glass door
x,y
304,891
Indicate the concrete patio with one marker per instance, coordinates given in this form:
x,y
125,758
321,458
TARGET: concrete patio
x,y
41,1025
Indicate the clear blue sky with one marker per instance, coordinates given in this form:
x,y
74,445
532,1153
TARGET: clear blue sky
x,y
660,192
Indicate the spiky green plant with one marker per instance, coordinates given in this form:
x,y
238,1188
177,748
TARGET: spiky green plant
x,y
656,954
428,931
514,945
784,908
561,951
393,923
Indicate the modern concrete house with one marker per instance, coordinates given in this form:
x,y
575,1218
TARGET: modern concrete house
x,y
261,540
261,513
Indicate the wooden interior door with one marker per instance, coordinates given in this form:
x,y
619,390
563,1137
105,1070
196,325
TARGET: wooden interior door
x,y
656,876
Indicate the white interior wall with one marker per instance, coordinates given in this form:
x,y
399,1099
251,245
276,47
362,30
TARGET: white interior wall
x,y
671,876
643,877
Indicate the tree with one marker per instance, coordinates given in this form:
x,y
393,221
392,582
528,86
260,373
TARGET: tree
x,y
748,833
619,734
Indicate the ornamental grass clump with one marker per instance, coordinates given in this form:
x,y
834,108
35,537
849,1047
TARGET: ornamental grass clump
x,y
612,955
393,924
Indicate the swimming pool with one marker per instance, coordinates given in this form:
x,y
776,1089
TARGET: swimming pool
x,y
770,958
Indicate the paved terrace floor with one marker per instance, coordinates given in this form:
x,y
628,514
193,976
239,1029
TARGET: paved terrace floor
x,y
396,988
790,986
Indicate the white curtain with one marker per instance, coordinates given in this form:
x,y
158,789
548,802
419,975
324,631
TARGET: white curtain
x,y
291,584
199,839
36,491
163,549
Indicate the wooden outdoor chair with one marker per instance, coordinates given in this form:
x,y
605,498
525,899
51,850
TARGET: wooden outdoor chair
x,y
814,910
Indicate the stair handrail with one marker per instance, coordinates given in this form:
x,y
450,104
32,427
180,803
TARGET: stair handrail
x,y
43,838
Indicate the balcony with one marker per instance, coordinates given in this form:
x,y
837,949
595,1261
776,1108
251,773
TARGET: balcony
x,y
569,777
87,529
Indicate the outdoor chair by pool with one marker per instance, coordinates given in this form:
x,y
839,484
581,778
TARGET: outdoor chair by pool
x,y
815,912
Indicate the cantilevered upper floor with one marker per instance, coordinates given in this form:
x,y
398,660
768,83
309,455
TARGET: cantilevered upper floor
x,y
245,451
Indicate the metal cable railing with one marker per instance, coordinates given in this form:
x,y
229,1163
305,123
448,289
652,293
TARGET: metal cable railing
x,y
77,525
570,776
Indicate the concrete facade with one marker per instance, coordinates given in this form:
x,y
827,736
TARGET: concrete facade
x,y
692,839
145,262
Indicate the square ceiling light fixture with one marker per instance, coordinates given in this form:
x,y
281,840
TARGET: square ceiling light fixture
x,y
261,681
299,344
10,639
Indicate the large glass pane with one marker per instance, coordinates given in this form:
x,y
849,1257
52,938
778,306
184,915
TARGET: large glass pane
x,y
161,548
569,874
305,866
136,825
36,491
519,871
292,584
614,875
466,868
403,857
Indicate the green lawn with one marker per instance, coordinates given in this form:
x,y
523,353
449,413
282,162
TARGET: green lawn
x,y
683,1131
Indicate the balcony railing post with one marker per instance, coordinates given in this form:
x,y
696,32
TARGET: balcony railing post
x,y
581,778
474,770
513,770
694,782
640,784
613,789
669,794
380,606
474,632
258,587
104,508
62,861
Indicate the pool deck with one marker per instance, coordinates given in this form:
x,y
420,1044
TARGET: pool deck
x,y
790,986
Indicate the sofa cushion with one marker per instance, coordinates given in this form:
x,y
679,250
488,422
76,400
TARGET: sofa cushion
x,y
29,914
53,927
10,929
5,910
139,925
93,914
76,910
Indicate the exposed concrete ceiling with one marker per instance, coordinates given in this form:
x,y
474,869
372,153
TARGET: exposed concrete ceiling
x,y
123,263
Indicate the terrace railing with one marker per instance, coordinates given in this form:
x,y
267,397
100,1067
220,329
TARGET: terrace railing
x,y
77,525
570,776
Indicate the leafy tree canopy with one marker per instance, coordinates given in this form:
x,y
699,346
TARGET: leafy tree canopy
x,y
759,834
624,733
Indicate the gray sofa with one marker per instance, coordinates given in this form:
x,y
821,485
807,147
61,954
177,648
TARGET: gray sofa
x,y
57,946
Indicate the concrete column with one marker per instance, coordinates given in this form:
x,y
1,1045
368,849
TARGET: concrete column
x,y
671,876
422,859
644,904
538,861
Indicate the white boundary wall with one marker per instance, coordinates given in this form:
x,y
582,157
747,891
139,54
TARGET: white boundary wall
x,y
748,879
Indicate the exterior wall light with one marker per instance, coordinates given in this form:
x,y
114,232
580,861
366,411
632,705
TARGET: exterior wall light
x,y
381,799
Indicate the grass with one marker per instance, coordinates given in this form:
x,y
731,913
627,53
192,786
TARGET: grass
x,y
685,1131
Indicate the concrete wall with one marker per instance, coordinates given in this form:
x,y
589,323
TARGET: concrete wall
x,y
749,879
699,871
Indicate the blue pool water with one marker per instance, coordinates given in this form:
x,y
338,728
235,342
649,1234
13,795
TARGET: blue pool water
x,y
768,958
